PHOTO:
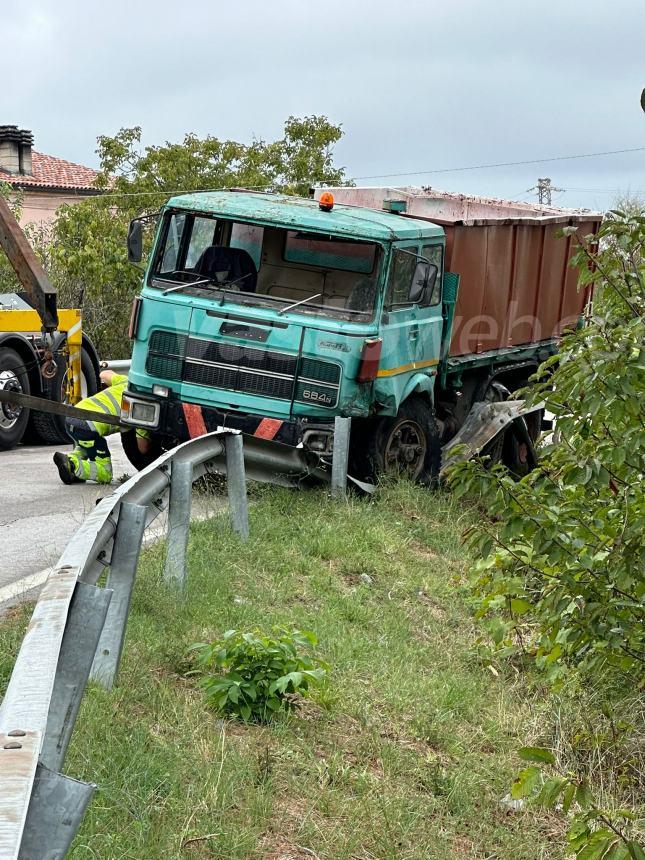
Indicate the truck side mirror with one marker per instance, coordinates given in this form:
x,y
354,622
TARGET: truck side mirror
x,y
433,271
135,241
423,281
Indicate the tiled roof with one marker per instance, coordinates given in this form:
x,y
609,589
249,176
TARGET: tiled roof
x,y
51,172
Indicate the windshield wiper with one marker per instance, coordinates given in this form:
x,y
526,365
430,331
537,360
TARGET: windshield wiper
x,y
187,284
223,286
301,302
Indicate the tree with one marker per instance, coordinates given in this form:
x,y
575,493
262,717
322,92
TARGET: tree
x,y
302,157
89,238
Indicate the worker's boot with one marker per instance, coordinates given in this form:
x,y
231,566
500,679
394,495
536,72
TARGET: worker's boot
x,y
66,468
99,469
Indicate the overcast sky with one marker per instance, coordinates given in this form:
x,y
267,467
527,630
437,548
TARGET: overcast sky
x,y
418,85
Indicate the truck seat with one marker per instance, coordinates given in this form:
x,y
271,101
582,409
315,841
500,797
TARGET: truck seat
x,y
235,263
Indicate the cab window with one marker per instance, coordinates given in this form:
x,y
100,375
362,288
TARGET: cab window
x,y
175,232
434,253
400,280
201,237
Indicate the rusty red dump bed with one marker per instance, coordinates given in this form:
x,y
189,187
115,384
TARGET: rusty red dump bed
x,y
516,284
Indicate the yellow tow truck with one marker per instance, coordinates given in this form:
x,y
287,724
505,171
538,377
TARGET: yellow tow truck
x,y
43,350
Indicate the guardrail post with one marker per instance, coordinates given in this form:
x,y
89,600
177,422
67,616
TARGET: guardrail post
x,y
181,489
340,459
85,620
123,568
56,809
236,481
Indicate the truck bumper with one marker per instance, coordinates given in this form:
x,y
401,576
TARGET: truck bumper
x,y
179,421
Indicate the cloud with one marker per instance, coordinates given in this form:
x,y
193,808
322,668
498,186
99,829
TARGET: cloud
x,y
418,84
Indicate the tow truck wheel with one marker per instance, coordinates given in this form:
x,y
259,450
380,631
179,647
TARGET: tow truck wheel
x,y
131,450
408,444
49,428
13,377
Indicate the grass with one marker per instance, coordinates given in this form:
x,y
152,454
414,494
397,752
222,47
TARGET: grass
x,y
404,753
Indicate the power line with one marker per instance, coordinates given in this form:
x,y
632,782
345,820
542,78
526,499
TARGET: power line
x,y
165,192
599,190
507,163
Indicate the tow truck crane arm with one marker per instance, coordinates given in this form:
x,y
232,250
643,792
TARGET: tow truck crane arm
x,y
32,277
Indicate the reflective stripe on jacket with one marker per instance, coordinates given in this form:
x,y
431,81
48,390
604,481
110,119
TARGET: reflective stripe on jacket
x,y
107,401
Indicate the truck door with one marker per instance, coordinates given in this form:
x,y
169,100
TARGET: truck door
x,y
411,325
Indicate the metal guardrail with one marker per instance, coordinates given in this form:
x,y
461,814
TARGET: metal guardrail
x,y
77,629
120,365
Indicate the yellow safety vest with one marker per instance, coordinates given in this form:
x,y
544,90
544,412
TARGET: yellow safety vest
x,y
107,401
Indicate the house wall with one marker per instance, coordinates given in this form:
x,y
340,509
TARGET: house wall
x,y
39,208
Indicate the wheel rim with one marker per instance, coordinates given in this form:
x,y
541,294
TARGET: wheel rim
x,y
9,414
63,387
405,449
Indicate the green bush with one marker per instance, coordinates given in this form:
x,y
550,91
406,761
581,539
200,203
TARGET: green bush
x,y
250,674
561,573
562,569
594,833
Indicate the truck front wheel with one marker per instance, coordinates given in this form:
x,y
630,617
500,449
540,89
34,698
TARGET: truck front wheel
x,y
13,377
408,444
131,450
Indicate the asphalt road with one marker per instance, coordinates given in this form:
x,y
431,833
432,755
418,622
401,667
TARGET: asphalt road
x,y
39,514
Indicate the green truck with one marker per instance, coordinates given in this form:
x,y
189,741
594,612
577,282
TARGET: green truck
x,y
274,314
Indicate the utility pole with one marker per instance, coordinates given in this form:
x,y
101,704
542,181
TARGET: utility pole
x,y
545,189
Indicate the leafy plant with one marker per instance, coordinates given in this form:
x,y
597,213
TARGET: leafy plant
x,y
250,674
561,570
561,573
594,833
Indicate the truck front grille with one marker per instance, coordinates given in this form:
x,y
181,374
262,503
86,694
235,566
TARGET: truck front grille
x,y
245,369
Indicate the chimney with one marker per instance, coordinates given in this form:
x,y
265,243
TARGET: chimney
x,y
15,150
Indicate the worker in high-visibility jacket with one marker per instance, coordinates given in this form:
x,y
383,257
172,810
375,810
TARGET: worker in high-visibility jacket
x,y
90,460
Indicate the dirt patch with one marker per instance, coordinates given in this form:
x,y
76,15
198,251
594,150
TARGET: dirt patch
x,y
434,608
306,709
422,550
462,846
430,752
275,844
276,847
356,578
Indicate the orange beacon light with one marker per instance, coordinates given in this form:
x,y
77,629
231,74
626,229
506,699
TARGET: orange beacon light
x,y
326,201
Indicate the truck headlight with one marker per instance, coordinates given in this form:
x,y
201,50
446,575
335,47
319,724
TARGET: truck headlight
x,y
143,413
161,390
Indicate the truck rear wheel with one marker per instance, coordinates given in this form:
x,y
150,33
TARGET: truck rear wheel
x,y
13,377
408,444
51,428
509,446
516,455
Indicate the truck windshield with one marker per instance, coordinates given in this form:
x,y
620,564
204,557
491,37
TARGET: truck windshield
x,y
250,264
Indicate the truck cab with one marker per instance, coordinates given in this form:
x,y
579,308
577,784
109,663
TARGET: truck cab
x,y
275,314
